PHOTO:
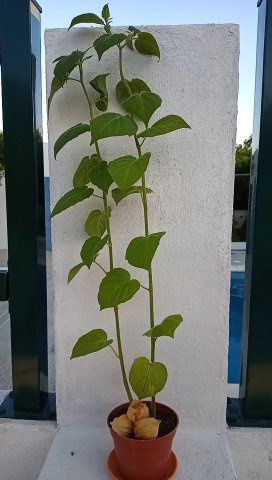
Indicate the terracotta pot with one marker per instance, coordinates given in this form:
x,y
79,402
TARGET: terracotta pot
x,y
143,459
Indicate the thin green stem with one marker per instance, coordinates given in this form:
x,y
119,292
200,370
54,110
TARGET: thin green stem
x,y
74,79
116,310
106,212
146,228
100,266
114,351
145,288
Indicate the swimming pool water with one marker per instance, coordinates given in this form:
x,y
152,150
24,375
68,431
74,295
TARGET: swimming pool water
x,y
235,326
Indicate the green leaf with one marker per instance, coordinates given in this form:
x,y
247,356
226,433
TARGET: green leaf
x,y
99,176
167,124
82,174
116,287
99,84
127,170
136,85
72,198
147,44
112,125
74,271
91,248
134,30
69,135
106,12
95,225
118,194
55,87
106,41
141,250
146,378
143,105
91,342
166,328
66,64
86,18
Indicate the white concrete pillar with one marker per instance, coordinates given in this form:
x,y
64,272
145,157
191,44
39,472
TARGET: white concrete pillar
x,y
191,175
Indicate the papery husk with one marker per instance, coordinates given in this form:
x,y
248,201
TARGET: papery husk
x,y
122,425
147,428
137,410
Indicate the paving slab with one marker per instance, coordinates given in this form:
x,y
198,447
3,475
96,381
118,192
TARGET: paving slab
x,y
251,450
24,447
82,453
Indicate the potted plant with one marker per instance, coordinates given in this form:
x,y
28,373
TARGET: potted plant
x,y
142,429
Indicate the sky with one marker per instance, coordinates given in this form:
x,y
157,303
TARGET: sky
x,y
58,13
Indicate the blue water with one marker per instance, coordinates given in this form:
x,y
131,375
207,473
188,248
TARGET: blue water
x,y
236,303
235,326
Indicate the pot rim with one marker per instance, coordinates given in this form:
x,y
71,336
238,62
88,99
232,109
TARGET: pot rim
x,y
124,405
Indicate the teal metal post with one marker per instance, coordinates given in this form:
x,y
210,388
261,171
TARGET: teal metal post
x,y
256,381
20,39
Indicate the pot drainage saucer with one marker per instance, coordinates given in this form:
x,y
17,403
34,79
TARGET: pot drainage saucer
x,y
115,474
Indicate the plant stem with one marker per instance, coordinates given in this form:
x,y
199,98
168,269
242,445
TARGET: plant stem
x,y
146,228
100,266
106,211
114,351
116,310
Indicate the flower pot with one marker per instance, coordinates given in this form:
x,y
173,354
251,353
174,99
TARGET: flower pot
x,y
145,459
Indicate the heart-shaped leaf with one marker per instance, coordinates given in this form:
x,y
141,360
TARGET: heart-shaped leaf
x,y
118,194
127,170
99,176
145,43
91,248
55,87
99,84
91,342
136,85
166,328
72,198
74,271
95,225
106,41
66,64
143,105
82,174
112,125
146,378
69,135
141,250
116,287
167,124
86,18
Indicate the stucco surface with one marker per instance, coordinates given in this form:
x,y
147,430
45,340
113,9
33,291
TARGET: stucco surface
x,y
24,447
191,175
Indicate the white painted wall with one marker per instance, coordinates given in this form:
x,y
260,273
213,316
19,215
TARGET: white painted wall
x,y
3,216
191,174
